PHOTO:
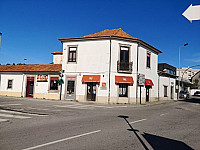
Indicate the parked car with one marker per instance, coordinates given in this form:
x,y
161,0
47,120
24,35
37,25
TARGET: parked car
x,y
197,93
184,94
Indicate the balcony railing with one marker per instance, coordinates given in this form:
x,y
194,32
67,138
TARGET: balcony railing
x,y
125,67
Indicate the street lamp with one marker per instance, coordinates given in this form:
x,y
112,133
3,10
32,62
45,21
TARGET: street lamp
x,y
179,66
0,39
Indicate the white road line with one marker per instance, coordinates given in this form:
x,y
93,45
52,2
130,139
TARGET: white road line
x,y
20,113
3,120
137,121
163,114
81,106
61,140
14,116
67,105
10,104
121,106
37,108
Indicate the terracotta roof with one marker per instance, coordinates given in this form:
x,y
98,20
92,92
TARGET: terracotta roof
x,y
57,53
115,34
31,68
110,32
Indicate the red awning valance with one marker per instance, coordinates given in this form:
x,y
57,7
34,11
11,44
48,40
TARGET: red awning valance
x,y
123,79
91,78
149,82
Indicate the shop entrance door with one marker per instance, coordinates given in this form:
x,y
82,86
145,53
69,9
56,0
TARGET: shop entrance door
x,y
147,93
91,91
30,86
70,89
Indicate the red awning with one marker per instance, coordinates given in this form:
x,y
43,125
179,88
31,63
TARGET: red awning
x,y
149,82
123,79
91,78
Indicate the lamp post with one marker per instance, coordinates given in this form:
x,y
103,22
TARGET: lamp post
x,y
179,66
0,39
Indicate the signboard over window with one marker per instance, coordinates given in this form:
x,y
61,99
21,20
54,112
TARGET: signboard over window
x,y
42,78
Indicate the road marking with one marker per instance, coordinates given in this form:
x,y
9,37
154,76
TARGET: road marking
x,y
37,108
3,120
74,105
163,114
137,121
11,105
61,140
14,116
20,113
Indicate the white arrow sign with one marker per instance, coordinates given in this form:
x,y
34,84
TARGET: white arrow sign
x,y
192,13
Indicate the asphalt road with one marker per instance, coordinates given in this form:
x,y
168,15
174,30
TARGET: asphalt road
x,y
27,124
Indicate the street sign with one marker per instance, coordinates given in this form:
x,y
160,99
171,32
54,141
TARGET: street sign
x,y
192,13
141,79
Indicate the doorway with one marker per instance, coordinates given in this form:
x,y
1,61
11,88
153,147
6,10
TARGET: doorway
x,y
172,91
91,91
30,87
70,93
147,93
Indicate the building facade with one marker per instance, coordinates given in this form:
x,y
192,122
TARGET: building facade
x,y
103,67
187,73
167,82
37,81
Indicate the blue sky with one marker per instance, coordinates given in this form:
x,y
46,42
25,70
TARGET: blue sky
x,y
31,28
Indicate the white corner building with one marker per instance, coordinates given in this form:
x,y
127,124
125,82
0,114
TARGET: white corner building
x,y
103,67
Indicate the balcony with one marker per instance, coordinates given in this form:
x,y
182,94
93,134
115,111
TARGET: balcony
x,y
124,67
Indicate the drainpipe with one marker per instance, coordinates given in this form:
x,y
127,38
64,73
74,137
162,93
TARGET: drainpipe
x,y
137,73
109,73
22,86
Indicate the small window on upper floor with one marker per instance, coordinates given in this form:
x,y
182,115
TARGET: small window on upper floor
x,y
148,60
10,82
72,54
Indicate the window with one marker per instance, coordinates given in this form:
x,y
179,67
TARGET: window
x,y
124,58
54,83
10,84
165,91
123,90
72,54
148,60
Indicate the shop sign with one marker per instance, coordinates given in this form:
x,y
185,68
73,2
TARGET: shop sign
x,y
71,78
42,78
103,84
141,79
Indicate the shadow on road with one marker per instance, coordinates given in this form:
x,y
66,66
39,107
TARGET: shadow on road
x,y
157,142
194,99
162,143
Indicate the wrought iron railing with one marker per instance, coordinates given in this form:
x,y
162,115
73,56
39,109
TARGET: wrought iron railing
x,y
124,66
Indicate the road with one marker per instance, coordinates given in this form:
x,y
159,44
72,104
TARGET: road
x,y
27,124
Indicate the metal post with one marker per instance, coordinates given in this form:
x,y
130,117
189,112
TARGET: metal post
x,y
179,72
140,95
61,90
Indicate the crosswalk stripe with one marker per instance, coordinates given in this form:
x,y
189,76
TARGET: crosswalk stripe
x,y
3,120
67,105
11,105
20,113
14,116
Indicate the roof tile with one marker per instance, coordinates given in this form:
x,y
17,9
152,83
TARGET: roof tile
x,y
31,68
